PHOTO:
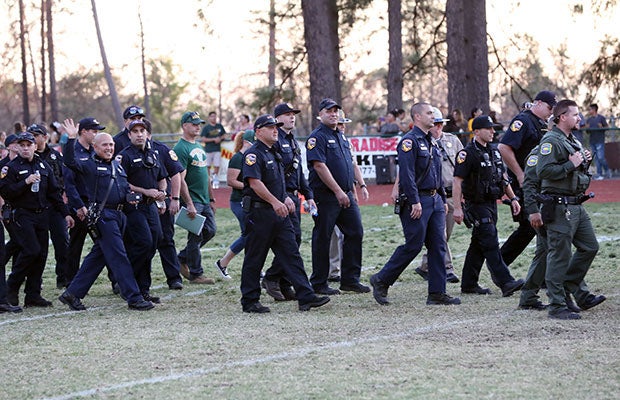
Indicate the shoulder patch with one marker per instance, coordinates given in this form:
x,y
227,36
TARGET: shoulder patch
x,y
545,148
173,155
460,158
4,171
516,125
250,159
311,143
406,145
532,160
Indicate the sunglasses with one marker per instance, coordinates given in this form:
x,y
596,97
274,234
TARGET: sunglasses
x,y
270,121
135,110
34,129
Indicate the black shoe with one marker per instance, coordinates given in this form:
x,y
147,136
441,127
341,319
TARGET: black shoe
x,y
115,288
539,306
73,302
37,301
327,291
7,308
563,313
140,305
61,285
441,299
152,299
570,304
256,308
288,293
355,287
592,301
316,302
333,279
476,290
509,288
12,297
273,289
176,285
422,273
379,290
452,278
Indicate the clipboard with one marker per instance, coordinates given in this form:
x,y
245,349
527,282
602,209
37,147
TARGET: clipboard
x,y
193,225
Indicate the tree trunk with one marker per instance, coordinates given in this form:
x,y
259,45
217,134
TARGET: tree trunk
x,y
271,71
468,62
51,62
322,46
22,45
107,72
147,102
395,64
43,71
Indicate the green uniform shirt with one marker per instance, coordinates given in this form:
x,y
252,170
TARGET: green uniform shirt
x,y
212,131
531,183
236,162
194,159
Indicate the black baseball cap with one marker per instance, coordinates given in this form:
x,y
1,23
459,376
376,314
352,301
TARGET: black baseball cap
x,y
284,108
37,129
91,123
547,97
328,103
133,111
266,120
482,122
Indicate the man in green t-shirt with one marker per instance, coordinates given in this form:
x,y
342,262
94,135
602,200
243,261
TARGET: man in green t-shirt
x,y
196,195
212,135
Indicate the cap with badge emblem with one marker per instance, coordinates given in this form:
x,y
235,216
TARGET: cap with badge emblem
x,y
283,109
192,117
90,123
482,122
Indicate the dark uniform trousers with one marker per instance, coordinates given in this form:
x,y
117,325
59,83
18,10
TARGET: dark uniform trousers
x,y
167,248
60,240
276,271
107,250
77,237
265,230
520,238
31,233
569,270
3,299
349,221
428,230
484,245
142,239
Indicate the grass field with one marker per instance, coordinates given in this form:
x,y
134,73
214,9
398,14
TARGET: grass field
x,y
198,343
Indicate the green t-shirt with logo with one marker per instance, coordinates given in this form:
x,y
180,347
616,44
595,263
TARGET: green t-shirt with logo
x,y
212,131
194,159
236,162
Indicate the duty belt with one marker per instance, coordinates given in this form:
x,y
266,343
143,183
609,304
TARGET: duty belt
x,y
572,200
117,207
292,191
33,210
260,204
429,192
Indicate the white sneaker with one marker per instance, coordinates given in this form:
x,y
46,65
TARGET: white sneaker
x,y
599,178
216,183
222,270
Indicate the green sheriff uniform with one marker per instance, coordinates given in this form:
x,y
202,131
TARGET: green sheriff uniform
x,y
571,223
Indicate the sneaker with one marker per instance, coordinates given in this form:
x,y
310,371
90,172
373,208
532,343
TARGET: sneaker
x,y
73,302
441,299
184,270
215,183
422,273
202,280
599,178
222,270
256,308
379,290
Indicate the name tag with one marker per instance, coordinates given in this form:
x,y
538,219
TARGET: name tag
x,y
23,172
423,147
270,162
286,145
331,141
137,159
102,169
83,158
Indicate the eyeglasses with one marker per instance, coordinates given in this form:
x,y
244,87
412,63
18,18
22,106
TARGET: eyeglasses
x,y
438,123
270,121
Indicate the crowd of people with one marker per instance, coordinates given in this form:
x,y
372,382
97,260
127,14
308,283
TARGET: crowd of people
x,y
124,192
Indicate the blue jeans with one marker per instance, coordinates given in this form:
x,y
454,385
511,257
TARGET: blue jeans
x,y
239,243
598,150
191,253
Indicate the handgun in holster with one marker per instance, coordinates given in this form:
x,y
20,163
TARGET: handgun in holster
x,y
547,207
468,218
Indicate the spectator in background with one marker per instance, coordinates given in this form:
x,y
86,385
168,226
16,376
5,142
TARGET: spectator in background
x,y
457,124
212,135
390,127
597,141
577,130
2,136
401,120
243,125
18,128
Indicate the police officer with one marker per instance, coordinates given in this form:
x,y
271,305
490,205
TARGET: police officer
x,y
121,139
107,189
331,177
29,185
147,176
422,212
296,182
75,189
563,170
523,133
268,223
480,178
166,247
58,227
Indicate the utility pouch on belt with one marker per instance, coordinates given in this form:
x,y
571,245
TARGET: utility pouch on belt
x,y
400,203
468,219
246,203
547,207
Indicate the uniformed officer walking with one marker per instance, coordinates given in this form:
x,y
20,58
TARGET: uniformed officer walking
x,y
274,281
107,191
268,222
480,179
565,178
523,133
29,185
146,176
331,177
422,202
121,139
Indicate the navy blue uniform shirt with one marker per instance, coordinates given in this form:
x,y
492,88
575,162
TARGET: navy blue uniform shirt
x,y
263,163
331,147
143,167
291,159
75,187
168,159
54,159
121,141
419,163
